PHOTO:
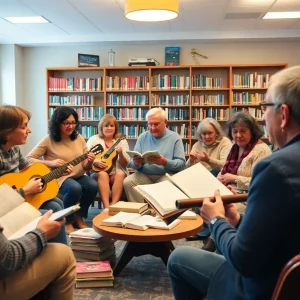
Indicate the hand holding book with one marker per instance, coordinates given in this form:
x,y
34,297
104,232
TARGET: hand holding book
x,y
138,157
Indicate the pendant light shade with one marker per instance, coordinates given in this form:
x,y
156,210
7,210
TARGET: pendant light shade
x,y
151,10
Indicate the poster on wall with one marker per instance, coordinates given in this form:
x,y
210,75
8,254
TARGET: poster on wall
x,y
88,60
172,55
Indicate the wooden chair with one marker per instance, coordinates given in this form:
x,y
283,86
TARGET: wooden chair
x,y
288,283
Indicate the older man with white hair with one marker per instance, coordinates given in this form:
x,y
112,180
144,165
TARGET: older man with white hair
x,y
171,158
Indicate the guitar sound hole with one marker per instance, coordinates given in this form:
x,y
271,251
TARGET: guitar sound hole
x,y
42,180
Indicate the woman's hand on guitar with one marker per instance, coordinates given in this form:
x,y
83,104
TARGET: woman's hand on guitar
x,y
33,186
69,170
57,163
99,164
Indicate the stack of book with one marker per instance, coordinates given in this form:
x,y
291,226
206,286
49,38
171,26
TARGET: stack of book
x,y
94,274
87,244
131,207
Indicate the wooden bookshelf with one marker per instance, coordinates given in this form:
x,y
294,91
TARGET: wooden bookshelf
x,y
187,93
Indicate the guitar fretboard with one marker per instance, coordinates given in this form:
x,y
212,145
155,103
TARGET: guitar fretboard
x,y
56,173
112,148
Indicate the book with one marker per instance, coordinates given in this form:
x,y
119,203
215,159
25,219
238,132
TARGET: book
x,y
86,233
138,222
98,248
106,255
188,215
127,207
94,282
193,182
172,55
93,269
145,155
18,217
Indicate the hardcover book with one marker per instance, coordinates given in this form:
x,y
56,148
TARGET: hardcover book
x,y
94,282
93,269
193,182
172,56
127,207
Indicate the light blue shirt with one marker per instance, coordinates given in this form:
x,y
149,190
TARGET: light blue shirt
x,y
168,145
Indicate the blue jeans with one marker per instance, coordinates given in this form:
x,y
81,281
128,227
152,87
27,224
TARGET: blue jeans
x,y
191,270
56,205
82,190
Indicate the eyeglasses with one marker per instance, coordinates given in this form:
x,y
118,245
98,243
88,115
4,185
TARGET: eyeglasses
x,y
155,125
73,124
264,104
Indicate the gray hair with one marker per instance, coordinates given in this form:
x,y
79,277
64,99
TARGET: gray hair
x,y
284,88
156,110
202,126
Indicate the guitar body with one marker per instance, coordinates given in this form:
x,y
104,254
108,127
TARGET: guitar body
x,y
109,159
19,180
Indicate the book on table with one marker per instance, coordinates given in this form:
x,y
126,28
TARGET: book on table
x,y
144,155
193,182
18,217
188,215
127,207
138,222
93,269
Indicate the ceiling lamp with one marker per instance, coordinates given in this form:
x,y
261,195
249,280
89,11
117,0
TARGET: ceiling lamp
x,y
151,10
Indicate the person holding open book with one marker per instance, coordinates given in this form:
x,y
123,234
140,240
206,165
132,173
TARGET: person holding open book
x,y
170,158
14,130
30,266
63,144
110,177
254,246
244,154
211,151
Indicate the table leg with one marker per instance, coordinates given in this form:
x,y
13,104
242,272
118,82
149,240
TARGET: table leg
x,y
132,249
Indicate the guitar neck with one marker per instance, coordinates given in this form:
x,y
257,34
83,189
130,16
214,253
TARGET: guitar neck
x,y
56,173
112,149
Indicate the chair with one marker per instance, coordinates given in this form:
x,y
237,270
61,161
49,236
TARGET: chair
x,y
288,283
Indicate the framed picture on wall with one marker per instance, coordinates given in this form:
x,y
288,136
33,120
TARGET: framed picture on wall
x,y
88,60
172,55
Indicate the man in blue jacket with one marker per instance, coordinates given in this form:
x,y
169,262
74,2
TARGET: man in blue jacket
x,y
254,247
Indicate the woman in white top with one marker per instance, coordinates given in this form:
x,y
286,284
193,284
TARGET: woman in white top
x,y
111,180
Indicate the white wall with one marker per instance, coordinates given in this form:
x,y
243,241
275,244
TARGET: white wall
x,y
36,59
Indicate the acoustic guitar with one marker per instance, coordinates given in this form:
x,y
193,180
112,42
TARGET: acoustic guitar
x,y
109,156
39,170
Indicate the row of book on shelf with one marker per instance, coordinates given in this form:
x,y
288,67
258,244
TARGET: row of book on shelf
x,y
72,100
87,113
159,81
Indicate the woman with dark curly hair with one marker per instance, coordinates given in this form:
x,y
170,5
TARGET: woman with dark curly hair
x,y
64,144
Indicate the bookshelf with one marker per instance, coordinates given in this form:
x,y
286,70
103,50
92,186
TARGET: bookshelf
x,y
187,93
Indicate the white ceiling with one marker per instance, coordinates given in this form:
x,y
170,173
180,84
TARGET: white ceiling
x,y
103,21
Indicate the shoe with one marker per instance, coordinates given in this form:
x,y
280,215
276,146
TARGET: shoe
x,y
79,222
209,245
196,237
69,228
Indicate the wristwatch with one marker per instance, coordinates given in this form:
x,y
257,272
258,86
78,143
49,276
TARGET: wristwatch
x,y
213,221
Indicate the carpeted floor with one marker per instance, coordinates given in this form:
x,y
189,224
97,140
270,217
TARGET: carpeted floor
x,y
144,277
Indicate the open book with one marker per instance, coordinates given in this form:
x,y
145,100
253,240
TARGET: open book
x,y
145,155
18,217
136,221
193,182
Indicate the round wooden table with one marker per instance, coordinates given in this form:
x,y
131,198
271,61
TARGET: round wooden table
x,y
156,242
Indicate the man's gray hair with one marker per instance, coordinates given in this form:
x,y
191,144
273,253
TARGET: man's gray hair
x,y
157,110
284,88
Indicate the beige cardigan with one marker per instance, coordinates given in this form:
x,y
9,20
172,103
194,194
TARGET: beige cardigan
x,y
217,154
66,150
